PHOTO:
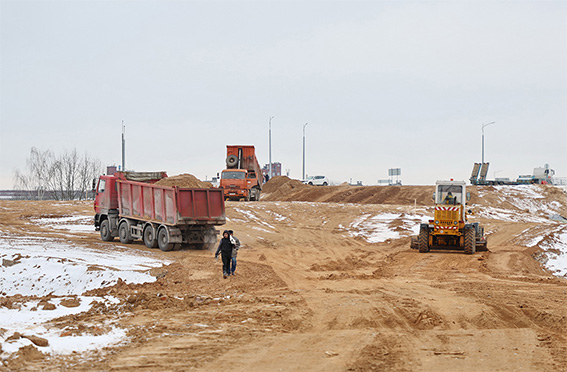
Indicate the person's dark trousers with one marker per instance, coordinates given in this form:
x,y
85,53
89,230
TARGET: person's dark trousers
x,y
226,257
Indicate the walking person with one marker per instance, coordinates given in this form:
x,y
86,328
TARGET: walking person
x,y
225,250
236,246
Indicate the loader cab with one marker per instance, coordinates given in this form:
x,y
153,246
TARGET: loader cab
x,y
450,193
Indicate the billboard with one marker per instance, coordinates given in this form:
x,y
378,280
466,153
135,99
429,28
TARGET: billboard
x,y
394,172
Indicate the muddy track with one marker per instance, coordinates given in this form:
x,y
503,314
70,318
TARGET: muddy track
x,y
309,295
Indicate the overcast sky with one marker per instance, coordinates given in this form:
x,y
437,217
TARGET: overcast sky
x,y
382,84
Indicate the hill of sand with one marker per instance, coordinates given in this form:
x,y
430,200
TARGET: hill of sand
x,y
282,188
184,180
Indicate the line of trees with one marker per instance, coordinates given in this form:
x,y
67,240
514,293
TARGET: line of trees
x,y
65,176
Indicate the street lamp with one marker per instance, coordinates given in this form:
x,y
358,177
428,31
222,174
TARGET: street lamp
x,y
270,172
484,125
304,125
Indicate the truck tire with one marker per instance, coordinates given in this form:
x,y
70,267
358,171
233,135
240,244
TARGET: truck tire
x,y
210,239
255,194
124,232
105,233
231,161
423,239
470,240
207,239
163,240
150,238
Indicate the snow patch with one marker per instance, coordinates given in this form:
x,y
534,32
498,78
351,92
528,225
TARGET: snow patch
x,y
379,228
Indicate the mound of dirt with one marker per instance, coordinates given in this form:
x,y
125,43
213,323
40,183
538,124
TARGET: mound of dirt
x,y
282,188
184,180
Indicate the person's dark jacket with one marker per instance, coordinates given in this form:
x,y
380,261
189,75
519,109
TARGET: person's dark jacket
x,y
225,246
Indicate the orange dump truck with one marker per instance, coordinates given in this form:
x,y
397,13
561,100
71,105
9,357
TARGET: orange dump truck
x,y
242,179
129,205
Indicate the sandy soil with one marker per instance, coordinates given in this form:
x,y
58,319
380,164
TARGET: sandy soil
x,y
310,297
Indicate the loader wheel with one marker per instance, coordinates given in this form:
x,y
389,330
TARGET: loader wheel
x,y
150,239
470,240
105,231
124,233
163,240
423,239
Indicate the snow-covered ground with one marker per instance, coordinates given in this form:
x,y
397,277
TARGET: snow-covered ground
x,y
381,227
69,223
36,266
29,319
555,251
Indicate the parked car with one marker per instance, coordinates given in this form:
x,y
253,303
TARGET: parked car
x,y
316,180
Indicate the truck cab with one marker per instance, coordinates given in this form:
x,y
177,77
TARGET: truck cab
x,y
106,198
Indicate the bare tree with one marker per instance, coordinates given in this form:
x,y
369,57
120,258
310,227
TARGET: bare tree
x,y
64,177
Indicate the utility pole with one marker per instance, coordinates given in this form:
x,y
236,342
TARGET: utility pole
x,y
270,142
304,125
123,148
484,125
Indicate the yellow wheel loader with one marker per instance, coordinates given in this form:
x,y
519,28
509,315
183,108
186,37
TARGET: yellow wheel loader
x,y
450,229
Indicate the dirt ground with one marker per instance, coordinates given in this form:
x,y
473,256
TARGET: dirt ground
x,y
308,296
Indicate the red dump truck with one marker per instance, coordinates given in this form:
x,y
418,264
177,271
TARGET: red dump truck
x,y
242,179
129,205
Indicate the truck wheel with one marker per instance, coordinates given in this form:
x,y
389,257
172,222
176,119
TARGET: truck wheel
x,y
470,240
255,194
150,239
423,239
124,233
210,239
231,161
163,240
105,231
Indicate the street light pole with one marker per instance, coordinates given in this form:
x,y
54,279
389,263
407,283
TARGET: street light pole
x,y
304,125
484,125
270,141
123,148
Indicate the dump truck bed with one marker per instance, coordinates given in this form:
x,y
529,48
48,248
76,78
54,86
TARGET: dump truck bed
x,y
171,205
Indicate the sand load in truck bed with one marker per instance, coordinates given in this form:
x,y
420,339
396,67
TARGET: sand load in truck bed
x,y
185,181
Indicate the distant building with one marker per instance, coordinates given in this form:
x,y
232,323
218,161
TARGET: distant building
x,y
276,169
